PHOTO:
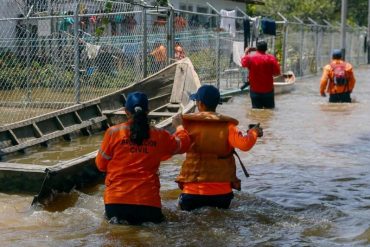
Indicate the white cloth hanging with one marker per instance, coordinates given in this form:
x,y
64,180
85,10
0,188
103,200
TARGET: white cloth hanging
x,y
228,21
92,50
238,52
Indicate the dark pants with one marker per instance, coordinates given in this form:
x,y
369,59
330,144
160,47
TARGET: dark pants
x,y
340,98
263,100
134,214
190,202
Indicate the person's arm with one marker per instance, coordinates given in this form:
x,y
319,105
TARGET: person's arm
x,y
350,77
242,141
154,52
178,143
245,62
276,69
105,153
324,81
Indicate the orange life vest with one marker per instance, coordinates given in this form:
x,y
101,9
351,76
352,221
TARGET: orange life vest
x,y
209,158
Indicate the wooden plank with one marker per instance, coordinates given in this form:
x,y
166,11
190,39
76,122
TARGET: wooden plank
x,y
17,167
13,138
38,132
53,135
151,114
59,123
49,115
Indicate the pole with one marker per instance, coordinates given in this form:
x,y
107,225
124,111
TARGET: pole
x,y
77,57
368,33
343,28
170,36
145,43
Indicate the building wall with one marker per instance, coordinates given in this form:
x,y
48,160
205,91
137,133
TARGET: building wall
x,y
8,9
196,5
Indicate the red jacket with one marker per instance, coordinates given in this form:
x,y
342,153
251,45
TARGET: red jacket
x,y
262,68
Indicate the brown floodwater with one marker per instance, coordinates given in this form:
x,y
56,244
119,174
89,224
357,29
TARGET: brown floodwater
x,y
309,185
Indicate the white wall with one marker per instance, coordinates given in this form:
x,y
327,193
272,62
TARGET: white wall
x,y
218,4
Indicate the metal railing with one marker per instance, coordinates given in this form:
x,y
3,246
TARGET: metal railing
x,y
58,53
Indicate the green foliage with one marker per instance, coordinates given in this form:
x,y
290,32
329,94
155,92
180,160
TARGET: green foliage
x,y
204,63
16,74
108,7
316,9
119,79
162,2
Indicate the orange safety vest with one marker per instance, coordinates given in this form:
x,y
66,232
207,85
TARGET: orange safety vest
x,y
209,158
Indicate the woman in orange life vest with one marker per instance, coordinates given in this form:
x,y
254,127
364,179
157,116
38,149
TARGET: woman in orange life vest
x,y
208,173
130,155
339,89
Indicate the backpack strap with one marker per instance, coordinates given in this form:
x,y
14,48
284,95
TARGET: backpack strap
x,y
241,164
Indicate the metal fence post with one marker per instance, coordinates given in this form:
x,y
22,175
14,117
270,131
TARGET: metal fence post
x,y
349,52
301,43
145,43
77,57
28,58
218,55
285,39
218,46
170,36
331,31
317,46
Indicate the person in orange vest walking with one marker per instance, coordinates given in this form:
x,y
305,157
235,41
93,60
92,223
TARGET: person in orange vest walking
x,y
208,173
130,155
337,79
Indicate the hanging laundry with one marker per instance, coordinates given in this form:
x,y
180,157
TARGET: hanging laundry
x,y
238,52
66,23
247,32
268,26
256,28
92,50
228,21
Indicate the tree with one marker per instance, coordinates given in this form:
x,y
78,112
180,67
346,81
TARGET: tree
x,y
316,9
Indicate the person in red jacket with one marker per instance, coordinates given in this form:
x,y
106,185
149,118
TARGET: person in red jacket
x,y
130,155
337,79
208,173
262,69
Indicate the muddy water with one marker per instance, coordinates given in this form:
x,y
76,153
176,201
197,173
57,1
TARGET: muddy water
x,y
309,186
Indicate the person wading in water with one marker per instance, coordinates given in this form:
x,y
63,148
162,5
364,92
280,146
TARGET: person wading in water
x,y
130,155
208,173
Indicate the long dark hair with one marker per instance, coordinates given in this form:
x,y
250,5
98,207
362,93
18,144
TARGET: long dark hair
x,y
139,129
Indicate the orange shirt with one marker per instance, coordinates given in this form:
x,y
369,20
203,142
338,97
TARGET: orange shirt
x,y
132,170
179,52
328,77
237,140
160,53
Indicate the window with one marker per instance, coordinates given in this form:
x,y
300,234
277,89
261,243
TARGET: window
x,y
203,19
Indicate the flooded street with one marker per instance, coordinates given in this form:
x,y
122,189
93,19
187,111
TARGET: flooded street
x,y
309,185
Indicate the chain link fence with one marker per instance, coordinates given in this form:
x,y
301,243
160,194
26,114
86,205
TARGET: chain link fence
x,y
54,54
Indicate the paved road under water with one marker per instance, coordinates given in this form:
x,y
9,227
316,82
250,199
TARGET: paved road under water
x,y
309,186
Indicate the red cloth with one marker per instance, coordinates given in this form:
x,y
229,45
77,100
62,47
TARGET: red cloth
x,y
262,68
